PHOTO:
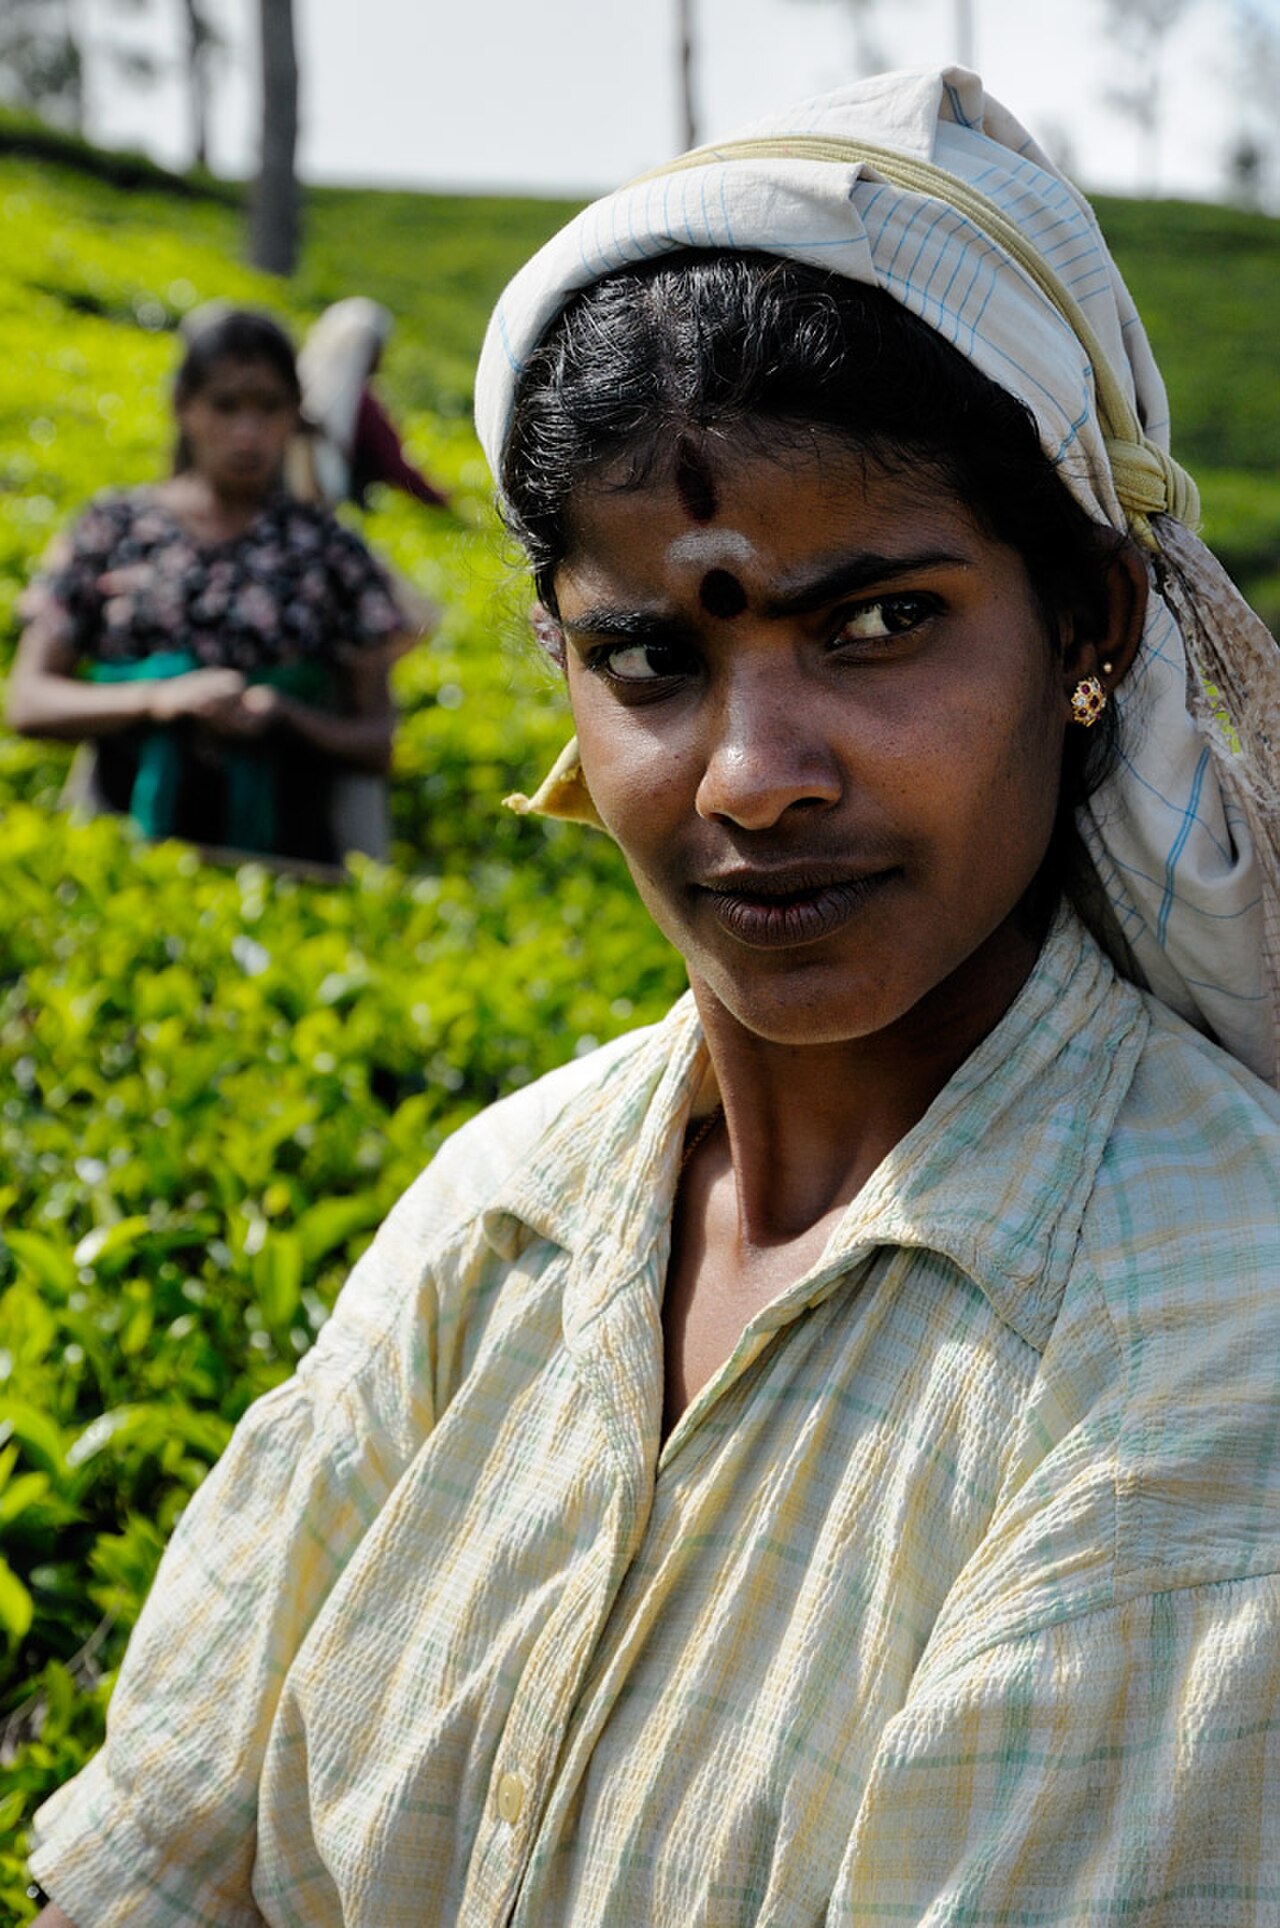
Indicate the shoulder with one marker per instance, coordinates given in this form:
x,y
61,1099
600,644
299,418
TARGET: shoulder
x,y
454,1228
1145,1458
107,516
66,578
477,1165
1189,1180
124,505
1183,1242
315,526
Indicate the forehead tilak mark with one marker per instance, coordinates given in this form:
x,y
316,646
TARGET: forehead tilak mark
x,y
714,549
695,484
721,594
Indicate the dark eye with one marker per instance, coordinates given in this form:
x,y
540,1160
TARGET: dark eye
x,y
640,662
876,622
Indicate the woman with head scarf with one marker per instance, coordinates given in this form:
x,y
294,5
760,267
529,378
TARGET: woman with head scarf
x,y
814,1461
351,441
348,441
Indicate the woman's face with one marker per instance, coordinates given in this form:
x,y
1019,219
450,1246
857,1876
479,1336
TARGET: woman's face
x,y
818,710
238,425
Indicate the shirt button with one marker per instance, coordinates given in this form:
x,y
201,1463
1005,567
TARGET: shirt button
x,y
510,1798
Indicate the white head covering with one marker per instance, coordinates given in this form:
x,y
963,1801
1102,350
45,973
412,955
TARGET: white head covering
x,y
920,184
334,363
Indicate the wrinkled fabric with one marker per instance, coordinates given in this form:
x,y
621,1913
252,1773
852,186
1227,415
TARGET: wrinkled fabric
x,y
952,1597
1185,838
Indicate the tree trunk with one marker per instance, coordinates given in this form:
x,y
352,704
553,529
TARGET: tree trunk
x,y
684,64
75,51
42,59
965,54
868,53
198,48
273,242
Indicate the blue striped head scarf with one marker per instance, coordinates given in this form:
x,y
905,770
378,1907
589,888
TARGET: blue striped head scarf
x,y
921,184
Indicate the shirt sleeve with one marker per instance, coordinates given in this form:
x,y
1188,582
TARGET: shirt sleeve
x,y
160,1828
64,595
1120,1767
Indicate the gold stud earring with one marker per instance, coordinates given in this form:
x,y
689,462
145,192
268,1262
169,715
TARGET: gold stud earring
x,y
1088,701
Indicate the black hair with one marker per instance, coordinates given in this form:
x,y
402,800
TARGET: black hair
x,y
235,335
653,357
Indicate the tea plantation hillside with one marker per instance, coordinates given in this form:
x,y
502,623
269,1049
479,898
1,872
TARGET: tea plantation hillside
x,y
214,1082
1207,283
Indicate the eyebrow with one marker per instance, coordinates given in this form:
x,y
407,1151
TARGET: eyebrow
x,y
633,624
843,578
854,573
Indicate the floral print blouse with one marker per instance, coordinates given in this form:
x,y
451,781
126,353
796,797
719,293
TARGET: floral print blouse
x,y
127,581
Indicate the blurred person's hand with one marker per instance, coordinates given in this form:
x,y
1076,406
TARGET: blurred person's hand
x,y
212,695
256,708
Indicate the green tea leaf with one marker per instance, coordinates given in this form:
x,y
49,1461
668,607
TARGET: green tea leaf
x,y
277,1278
108,1245
16,1608
37,1433
49,1263
332,1221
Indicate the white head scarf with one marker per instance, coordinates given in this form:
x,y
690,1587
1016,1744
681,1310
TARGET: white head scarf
x,y
920,184
334,363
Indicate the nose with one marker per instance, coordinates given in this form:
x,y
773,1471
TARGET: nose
x,y
249,429
767,752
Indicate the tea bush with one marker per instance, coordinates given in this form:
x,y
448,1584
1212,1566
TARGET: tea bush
x,y
212,1083
216,1083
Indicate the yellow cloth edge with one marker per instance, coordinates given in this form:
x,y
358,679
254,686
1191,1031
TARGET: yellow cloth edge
x,y
562,794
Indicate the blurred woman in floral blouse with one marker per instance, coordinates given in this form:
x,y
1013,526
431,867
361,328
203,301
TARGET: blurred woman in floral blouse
x,y
223,646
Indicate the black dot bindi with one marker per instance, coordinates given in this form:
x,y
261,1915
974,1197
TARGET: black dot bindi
x,y
722,594
695,484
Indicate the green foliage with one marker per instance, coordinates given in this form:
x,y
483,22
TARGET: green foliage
x,y
213,1082
25,134
1242,527
216,1083
1205,281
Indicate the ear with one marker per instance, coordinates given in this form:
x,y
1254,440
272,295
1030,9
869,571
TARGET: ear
x,y
1110,655
549,635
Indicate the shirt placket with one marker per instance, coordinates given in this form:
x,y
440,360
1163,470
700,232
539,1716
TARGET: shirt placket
x,y
835,1267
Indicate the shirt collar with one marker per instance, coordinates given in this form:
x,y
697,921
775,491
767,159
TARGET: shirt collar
x,y
995,1176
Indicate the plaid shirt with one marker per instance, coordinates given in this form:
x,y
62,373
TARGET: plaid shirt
x,y
952,1598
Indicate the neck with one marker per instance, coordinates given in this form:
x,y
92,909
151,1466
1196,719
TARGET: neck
x,y
807,1124
201,499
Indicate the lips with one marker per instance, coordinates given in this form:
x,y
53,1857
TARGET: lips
x,y
772,909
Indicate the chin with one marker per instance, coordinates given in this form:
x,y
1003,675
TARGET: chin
x,y
250,481
803,1007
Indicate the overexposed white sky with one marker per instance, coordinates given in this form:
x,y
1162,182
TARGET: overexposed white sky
x,y
575,95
